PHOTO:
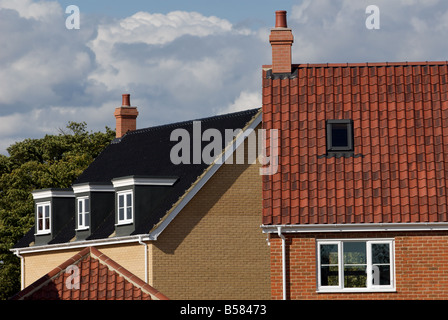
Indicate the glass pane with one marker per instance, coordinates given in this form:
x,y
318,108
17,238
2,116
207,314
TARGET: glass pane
x,y
339,135
47,223
39,212
80,220
329,254
380,253
329,276
79,206
87,205
121,214
354,252
355,277
47,211
40,224
121,201
129,213
129,199
381,275
86,222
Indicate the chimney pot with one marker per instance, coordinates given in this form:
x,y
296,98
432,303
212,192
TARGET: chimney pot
x,y
126,117
126,100
281,40
280,19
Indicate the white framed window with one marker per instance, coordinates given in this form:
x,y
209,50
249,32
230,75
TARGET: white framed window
x,y
83,213
355,265
43,218
125,207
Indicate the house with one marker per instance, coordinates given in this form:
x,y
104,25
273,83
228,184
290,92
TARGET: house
x,y
358,206
168,204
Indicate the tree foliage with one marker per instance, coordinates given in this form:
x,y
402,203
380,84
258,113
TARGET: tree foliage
x,y
54,161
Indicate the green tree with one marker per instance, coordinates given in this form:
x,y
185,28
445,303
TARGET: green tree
x,y
54,161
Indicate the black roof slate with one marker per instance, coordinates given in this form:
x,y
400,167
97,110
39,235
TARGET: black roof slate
x,y
146,152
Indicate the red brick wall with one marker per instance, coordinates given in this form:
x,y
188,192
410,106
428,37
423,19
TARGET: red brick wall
x,y
421,266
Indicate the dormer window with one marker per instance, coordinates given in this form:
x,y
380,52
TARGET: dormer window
x,y
83,213
125,207
43,218
339,136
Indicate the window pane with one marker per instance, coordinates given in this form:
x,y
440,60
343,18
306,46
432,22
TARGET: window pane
x,y
121,214
80,220
39,212
79,206
329,254
40,224
47,211
121,201
380,253
329,276
86,218
381,275
129,199
354,252
339,135
87,205
129,213
47,223
355,276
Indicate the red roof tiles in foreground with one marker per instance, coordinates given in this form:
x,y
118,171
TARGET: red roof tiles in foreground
x,y
100,278
398,172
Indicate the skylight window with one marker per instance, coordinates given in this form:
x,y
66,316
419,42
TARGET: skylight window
x,y
340,135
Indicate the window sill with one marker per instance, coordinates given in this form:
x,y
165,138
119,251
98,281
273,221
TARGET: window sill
x,y
43,233
124,223
82,229
357,290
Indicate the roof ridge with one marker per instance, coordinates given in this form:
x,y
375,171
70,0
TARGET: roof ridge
x,y
181,123
370,64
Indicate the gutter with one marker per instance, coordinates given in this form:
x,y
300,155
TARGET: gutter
x,y
279,232
82,244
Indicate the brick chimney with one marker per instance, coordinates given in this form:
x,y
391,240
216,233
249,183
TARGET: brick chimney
x,y
126,117
281,40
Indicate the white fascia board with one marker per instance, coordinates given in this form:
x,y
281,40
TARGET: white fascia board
x,y
46,193
81,244
80,188
357,227
198,186
132,181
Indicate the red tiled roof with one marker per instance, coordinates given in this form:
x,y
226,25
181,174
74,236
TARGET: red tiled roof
x,y
100,278
400,120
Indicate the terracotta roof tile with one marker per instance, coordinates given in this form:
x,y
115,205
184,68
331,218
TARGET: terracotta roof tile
x,y
100,278
400,121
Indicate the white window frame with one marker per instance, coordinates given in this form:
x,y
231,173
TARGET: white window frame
x,y
83,213
126,220
369,270
44,230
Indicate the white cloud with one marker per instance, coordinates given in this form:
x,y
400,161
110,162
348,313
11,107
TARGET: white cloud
x,y
246,100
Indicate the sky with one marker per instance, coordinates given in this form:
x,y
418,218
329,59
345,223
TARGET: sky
x,y
182,60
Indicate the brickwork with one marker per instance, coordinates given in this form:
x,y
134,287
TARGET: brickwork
x,y
215,248
421,266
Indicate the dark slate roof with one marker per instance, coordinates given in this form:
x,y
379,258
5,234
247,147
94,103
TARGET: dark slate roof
x,y
146,152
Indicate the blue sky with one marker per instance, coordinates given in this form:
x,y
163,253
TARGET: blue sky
x,y
182,60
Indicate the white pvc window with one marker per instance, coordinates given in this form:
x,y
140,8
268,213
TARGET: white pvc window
x,y
125,207
43,218
355,265
83,213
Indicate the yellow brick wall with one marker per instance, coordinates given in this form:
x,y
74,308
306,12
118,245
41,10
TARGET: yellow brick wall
x,y
214,248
